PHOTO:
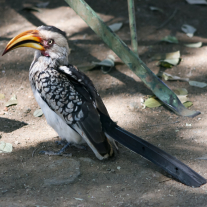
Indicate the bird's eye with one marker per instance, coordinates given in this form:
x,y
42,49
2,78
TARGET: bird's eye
x,y
50,42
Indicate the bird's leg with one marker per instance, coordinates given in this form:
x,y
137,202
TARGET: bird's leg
x,y
78,146
60,152
61,142
64,142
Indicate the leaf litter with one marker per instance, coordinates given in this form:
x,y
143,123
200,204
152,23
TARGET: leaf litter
x,y
153,8
153,102
38,113
116,26
188,29
197,1
197,84
5,147
12,101
106,65
167,76
168,60
194,45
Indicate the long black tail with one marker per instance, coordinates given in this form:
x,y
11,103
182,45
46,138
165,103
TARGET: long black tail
x,y
167,162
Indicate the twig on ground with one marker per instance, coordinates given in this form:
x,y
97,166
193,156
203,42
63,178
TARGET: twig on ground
x,y
168,20
34,152
164,124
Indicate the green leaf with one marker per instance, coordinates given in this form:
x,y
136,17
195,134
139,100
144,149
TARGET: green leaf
x,y
188,104
170,39
194,45
152,103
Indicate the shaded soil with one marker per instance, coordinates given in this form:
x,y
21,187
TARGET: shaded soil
x,y
30,179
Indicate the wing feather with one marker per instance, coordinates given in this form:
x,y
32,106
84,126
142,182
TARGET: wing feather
x,y
75,102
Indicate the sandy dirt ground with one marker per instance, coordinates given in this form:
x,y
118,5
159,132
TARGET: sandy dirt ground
x,y
30,179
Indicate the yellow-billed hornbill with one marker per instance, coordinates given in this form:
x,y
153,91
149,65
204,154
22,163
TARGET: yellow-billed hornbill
x,y
74,109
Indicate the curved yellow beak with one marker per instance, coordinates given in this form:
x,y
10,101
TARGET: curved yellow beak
x,y
29,38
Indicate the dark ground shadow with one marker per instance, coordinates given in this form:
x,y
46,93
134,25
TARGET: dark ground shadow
x,y
10,125
37,172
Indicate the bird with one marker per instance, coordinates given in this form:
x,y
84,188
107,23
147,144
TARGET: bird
x,y
74,109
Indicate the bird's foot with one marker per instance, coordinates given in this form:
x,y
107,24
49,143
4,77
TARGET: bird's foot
x,y
60,152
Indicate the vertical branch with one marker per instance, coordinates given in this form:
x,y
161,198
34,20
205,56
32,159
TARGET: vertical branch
x,y
132,24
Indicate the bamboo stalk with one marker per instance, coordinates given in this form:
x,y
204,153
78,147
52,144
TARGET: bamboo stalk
x,y
132,25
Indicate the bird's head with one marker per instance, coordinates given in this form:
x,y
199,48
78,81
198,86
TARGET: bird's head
x,y
50,41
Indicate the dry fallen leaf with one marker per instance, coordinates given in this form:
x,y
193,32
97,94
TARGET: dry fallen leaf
x,y
153,8
107,64
109,61
194,45
197,1
188,29
172,58
5,147
180,91
78,199
197,84
182,98
38,113
168,76
12,101
116,26
86,67
168,59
